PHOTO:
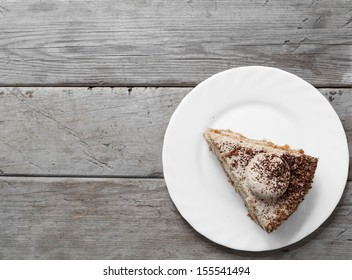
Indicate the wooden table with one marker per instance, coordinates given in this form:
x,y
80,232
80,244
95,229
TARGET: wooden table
x,y
87,91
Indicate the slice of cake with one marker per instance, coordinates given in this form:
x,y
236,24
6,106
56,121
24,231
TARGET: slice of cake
x,y
272,180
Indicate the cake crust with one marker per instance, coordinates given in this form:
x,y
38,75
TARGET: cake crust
x,y
272,180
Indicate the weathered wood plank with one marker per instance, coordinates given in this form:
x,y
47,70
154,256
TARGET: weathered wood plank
x,y
88,131
98,131
107,42
58,218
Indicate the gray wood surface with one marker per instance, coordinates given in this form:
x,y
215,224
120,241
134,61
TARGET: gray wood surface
x,y
81,166
107,42
98,131
85,131
71,218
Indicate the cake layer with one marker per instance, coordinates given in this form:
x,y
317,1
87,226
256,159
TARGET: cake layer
x,y
272,180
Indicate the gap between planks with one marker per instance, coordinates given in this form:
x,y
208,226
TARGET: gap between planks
x,y
68,176
110,85
134,85
78,176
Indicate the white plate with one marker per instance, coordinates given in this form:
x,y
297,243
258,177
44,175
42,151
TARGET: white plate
x,y
259,102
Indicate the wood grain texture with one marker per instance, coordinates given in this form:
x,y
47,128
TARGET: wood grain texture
x,y
98,131
58,218
85,131
107,42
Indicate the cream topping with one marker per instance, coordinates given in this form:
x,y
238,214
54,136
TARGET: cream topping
x,y
267,176
238,155
244,160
